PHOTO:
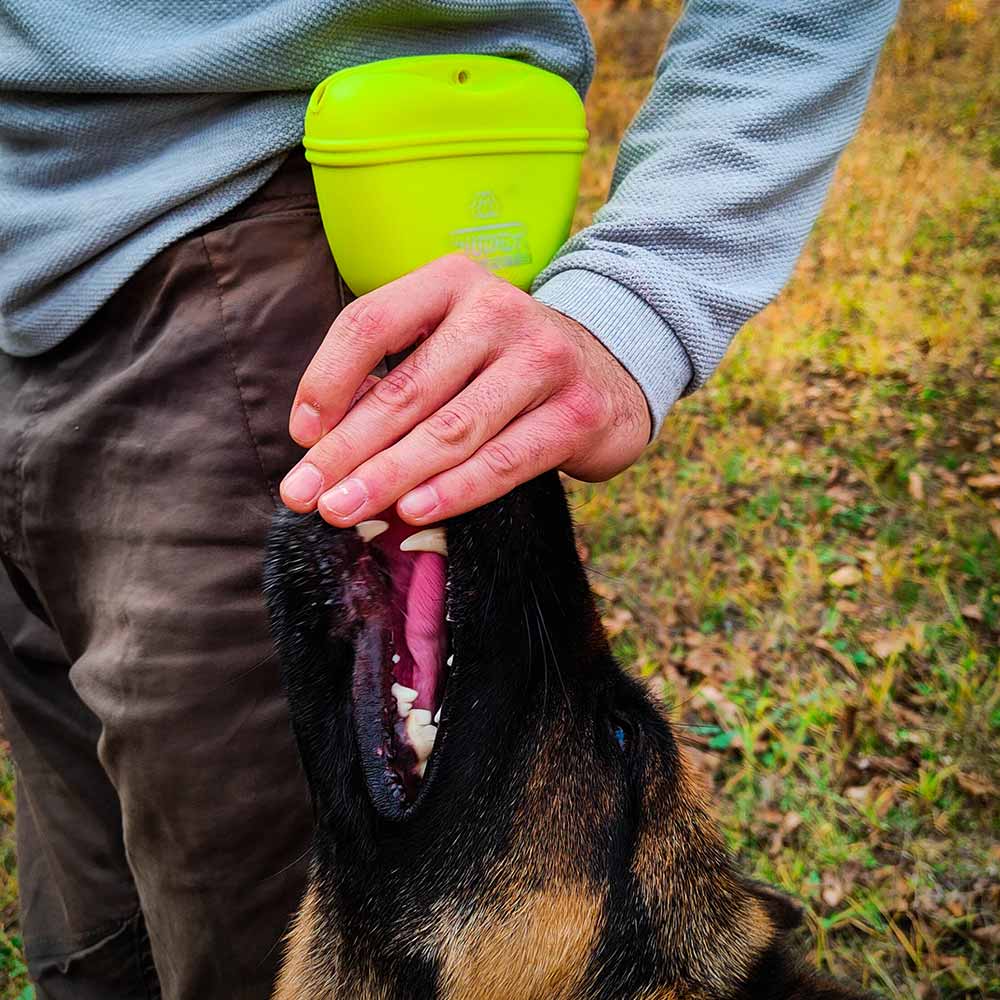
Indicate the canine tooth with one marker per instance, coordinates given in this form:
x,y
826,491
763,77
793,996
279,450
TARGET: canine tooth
x,y
437,717
420,732
420,768
450,660
405,698
396,657
428,540
371,529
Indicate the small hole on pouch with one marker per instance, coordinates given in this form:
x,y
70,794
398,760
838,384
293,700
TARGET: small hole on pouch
x,y
462,76
318,95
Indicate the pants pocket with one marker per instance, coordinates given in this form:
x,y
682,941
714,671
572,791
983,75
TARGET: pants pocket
x,y
112,961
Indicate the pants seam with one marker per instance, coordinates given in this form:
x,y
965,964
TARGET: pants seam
x,y
231,358
19,532
67,947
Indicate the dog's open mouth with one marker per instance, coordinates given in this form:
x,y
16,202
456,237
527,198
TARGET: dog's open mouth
x,y
402,656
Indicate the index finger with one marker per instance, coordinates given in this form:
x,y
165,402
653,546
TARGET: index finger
x,y
384,321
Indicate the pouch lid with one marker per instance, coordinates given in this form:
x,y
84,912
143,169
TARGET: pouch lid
x,y
420,107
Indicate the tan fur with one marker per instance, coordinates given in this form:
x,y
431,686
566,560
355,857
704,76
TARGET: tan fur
x,y
679,889
536,949
538,921
541,922
299,976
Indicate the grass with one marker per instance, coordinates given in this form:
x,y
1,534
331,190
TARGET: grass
x,y
807,564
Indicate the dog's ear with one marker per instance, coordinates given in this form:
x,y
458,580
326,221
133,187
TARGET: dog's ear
x,y
784,912
809,985
781,975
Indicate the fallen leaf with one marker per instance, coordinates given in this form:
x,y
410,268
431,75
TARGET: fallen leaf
x,y
884,765
846,576
887,642
915,483
988,935
789,823
857,794
841,494
617,621
724,709
972,612
995,527
707,661
715,519
832,895
986,482
976,785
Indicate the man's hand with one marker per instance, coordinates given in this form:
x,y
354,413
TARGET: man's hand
x,y
499,389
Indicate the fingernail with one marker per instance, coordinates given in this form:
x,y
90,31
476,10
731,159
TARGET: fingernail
x,y
302,483
420,502
306,426
345,498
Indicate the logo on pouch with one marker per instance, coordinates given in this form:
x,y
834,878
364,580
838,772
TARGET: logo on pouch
x,y
485,205
495,245
503,244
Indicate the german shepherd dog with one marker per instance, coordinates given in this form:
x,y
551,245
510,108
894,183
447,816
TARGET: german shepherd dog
x,y
502,813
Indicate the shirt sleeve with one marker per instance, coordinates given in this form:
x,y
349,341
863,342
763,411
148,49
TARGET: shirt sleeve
x,y
718,182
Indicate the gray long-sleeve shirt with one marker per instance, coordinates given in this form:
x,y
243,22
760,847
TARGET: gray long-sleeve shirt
x,y
125,124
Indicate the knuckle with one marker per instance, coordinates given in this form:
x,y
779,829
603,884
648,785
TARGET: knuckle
x,y
398,390
451,426
501,459
585,408
493,300
458,265
553,351
362,320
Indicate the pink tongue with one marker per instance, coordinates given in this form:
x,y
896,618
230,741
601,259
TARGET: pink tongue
x,y
426,635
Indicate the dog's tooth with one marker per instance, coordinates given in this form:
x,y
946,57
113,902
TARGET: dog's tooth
x,y
396,657
428,540
371,529
437,717
450,660
420,768
405,697
420,732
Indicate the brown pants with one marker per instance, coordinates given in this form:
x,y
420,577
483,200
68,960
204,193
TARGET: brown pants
x,y
161,813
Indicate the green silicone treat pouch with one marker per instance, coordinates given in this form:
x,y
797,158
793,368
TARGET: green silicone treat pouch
x,y
419,157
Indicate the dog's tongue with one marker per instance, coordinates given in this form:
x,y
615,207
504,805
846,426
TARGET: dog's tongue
x,y
426,633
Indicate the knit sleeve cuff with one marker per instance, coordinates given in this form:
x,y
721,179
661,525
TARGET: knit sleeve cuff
x,y
630,329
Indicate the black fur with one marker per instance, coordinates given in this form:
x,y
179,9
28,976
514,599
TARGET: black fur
x,y
533,684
